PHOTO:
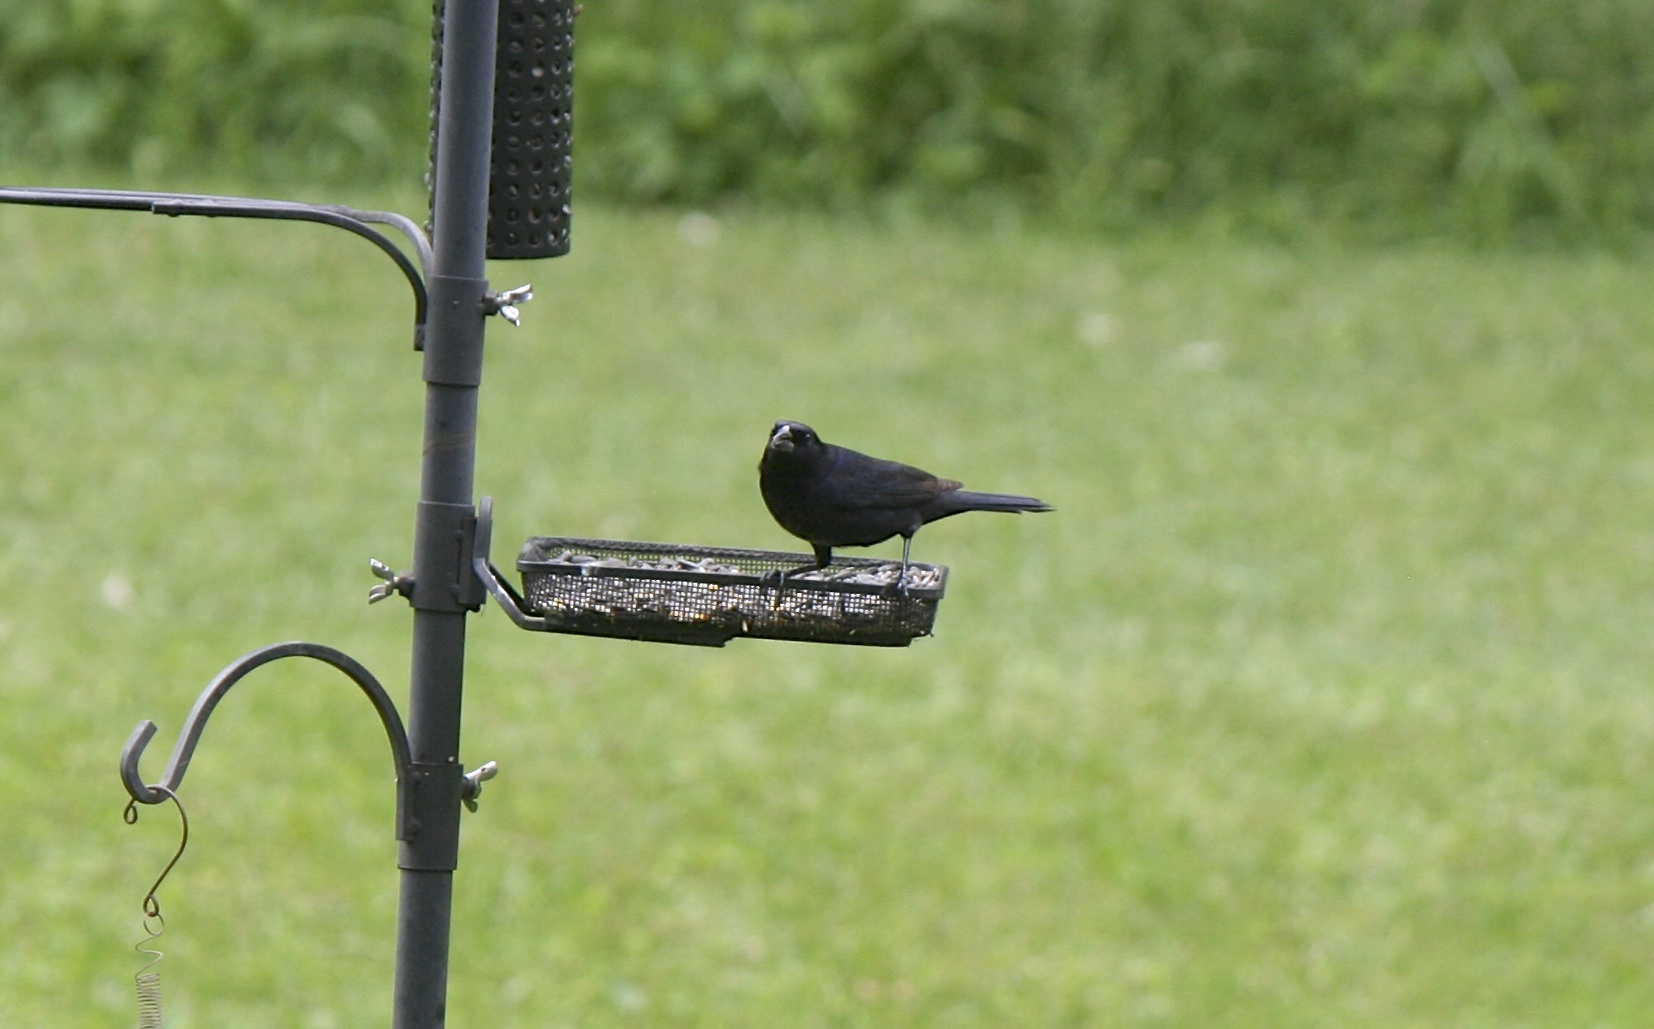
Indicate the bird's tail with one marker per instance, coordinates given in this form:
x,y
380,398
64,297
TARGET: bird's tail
x,y
965,500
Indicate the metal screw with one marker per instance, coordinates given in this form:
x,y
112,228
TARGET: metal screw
x,y
505,304
395,582
473,783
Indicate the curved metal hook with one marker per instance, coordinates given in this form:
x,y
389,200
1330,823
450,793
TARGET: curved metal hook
x,y
174,204
196,721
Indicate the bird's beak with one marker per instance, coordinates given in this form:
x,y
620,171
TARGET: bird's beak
x,y
782,440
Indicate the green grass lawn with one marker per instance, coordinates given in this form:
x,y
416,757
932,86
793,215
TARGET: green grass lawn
x,y
1322,700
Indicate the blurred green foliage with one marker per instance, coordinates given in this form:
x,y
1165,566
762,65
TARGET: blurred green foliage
x,y
316,89
1482,119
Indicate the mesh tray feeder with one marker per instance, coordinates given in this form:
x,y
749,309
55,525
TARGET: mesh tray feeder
x,y
664,591
678,593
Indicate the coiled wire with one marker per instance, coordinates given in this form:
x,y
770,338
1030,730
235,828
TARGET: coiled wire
x,y
148,979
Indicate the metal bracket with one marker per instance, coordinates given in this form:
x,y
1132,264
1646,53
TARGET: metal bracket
x,y
433,789
510,601
205,205
445,582
420,785
196,722
431,842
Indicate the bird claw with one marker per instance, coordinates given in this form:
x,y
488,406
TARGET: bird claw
x,y
899,588
776,580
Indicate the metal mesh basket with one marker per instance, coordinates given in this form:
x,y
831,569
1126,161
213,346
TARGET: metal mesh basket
x,y
708,595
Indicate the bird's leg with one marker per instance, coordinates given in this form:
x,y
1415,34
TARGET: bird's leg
x,y
901,580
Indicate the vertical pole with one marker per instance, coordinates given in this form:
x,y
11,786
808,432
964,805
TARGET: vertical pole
x,y
444,591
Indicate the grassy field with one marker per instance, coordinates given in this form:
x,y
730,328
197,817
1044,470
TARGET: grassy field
x,y
1321,701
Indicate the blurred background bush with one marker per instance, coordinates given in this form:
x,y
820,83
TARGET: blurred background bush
x,y
1483,120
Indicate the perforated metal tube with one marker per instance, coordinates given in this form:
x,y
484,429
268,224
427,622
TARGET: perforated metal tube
x,y
531,174
531,157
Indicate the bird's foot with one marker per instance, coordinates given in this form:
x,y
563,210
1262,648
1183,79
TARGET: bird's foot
x,y
901,577
777,579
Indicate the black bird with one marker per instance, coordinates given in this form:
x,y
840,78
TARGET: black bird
x,y
835,497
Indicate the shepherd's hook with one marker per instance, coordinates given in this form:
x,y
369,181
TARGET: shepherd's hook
x,y
196,721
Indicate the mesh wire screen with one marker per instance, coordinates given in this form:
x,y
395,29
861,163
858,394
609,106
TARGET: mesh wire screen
x,y
691,594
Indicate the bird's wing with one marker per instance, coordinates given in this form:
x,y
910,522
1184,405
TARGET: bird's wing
x,y
878,483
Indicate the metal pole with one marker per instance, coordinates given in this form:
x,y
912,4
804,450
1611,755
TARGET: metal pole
x,y
444,589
